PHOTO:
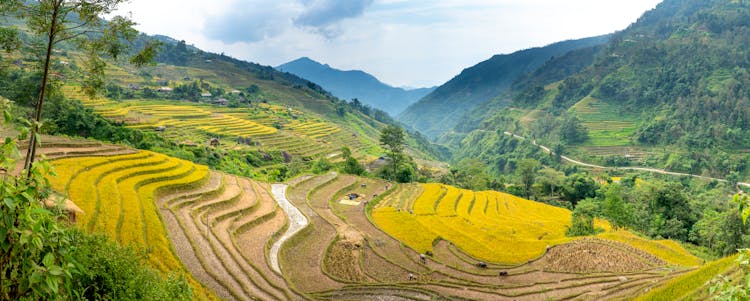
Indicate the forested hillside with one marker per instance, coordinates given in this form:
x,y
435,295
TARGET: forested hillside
x,y
440,110
670,91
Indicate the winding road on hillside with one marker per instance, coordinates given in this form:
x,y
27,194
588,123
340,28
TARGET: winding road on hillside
x,y
297,221
647,169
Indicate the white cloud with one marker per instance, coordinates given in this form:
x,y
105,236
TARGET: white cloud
x,y
402,42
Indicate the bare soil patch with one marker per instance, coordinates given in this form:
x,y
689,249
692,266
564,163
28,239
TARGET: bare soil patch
x,y
342,261
589,256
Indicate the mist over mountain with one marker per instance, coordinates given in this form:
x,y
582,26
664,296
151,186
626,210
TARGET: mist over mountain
x,y
355,84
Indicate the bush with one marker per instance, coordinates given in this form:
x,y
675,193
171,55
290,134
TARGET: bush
x,y
321,166
582,220
113,272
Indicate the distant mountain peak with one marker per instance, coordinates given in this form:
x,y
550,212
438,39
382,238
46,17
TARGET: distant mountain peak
x,y
349,84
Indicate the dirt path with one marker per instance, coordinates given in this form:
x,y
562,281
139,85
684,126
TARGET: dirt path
x,y
635,168
297,221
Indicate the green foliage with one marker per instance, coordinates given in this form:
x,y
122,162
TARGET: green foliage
x,y
722,287
670,204
35,252
549,181
351,165
113,272
392,138
9,39
471,174
572,131
321,166
582,219
526,173
614,207
402,167
578,187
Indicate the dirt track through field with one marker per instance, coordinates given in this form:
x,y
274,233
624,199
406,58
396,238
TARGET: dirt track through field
x,y
297,221
635,168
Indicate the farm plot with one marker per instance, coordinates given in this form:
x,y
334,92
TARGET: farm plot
x,y
213,228
265,126
221,228
496,227
606,124
387,269
116,191
490,226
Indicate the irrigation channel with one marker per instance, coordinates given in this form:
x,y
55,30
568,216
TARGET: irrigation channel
x,y
297,221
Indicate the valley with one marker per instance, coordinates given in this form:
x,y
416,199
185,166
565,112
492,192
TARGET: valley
x,y
222,227
141,167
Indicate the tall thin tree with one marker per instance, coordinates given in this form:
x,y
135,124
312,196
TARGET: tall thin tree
x,y
79,21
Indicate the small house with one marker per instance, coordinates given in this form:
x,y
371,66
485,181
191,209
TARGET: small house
x,y
221,102
235,92
206,95
165,90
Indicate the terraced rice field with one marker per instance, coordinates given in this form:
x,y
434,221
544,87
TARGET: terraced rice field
x,y
361,262
490,226
496,227
218,230
116,188
213,228
185,122
607,126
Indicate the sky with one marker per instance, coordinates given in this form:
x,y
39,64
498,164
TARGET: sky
x,y
404,43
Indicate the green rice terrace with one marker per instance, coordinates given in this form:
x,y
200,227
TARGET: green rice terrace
x,y
263,126
607,125
341,237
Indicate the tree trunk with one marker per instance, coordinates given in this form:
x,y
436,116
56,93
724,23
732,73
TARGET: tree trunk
x,y
31,151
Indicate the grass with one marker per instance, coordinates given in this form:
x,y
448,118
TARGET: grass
x,y
684,285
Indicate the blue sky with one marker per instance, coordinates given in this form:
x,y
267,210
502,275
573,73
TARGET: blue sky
x,y
412,43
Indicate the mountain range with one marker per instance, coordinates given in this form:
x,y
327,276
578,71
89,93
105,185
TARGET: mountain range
x,y
355,84
670,91
440,110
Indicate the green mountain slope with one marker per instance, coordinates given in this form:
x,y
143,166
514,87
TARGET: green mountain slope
x,y
260,114
670,91
355,84
440,110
